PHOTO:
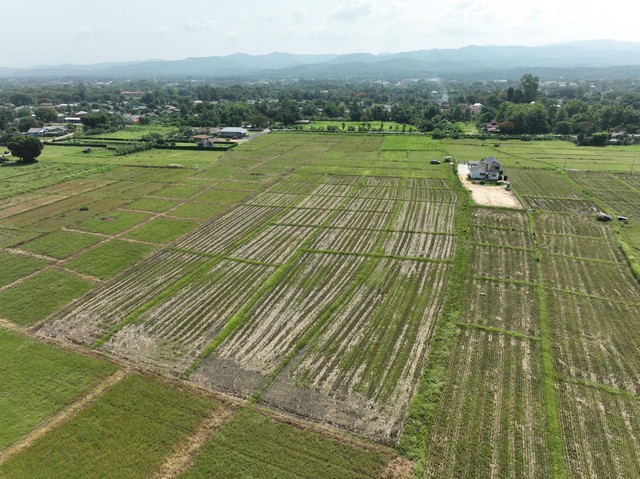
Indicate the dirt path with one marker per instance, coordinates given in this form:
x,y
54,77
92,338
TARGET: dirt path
x,y
63,416
488,195
181,459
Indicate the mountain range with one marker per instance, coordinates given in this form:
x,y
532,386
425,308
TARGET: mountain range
x,y
448,63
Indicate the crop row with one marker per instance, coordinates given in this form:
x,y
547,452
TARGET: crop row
x,y
622,196
172,333
362,368
278,321
601,432
571,225
611,280
541,183
596,340
502,305
559,205
347,240
96,314
410,142
420,245
504,263
500,218
580,246
490,418
426,217
219,235
274,245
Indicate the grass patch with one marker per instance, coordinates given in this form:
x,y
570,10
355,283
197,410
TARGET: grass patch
x,y
253,445
161,230
109,259
178,191
37,297
113,222
224,196
38,380
199,210
153,205
15,266
61,244
125,434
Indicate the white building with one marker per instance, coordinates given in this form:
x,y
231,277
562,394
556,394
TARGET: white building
x,y
488,169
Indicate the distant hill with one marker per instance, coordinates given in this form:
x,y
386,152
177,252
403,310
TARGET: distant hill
x,y
449,63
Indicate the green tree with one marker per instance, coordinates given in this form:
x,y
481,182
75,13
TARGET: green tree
x,y
46,115
27,122
27,148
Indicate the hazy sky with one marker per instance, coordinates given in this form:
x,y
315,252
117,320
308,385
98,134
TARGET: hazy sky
x,y
36,32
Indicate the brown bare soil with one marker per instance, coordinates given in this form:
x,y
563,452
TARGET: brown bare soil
x,y
488,195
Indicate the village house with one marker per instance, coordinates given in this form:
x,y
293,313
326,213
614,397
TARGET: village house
x,y
488,169
205,141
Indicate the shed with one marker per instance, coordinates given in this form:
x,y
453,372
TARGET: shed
x,y
233,132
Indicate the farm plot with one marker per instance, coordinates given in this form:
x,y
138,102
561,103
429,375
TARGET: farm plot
x,y
560,205
490,418
428,183
596,340
20,204
602,248
622,196
322,202
14,266
221,234
370,204
60,244
296,184
600,432
503,263
426,217
273,245
361,370
433,195
40,295
99,312
37,381
304,217
604,279
501,237
275,199
173,332
378,181
420,245
126,433
541,183
572,225
277,322
382,192
410,142
253,445
502,305
500,218
346,240
333,190
362,220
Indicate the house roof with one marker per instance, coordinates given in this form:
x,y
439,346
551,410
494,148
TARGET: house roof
x,y
231,129
201,137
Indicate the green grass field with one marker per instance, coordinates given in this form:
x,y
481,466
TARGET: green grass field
x,y
14,266
39,296
253,445
109,259
113,222
126,433
61,244
161,230
37,381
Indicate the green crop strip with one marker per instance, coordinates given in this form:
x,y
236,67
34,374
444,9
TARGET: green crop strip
x,y
379,255
425,401
554,434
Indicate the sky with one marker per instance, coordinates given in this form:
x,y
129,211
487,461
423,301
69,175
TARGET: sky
x,y
34,32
